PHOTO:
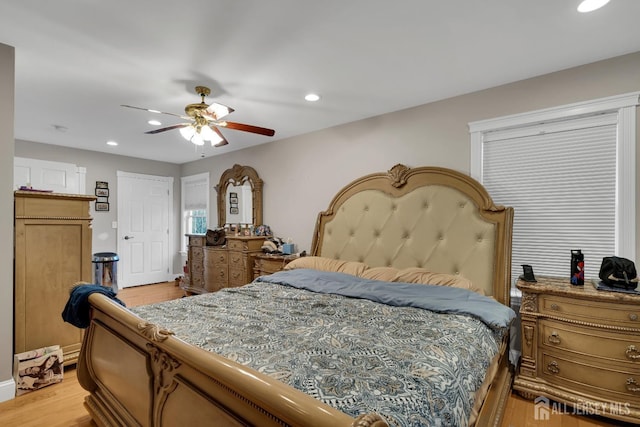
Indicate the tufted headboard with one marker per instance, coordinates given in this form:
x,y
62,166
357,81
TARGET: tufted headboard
x,y
427,217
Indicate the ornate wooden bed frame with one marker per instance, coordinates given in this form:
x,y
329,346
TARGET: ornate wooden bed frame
x,y
139,374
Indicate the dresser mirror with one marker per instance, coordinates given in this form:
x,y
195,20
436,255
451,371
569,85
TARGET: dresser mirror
x,y
239,197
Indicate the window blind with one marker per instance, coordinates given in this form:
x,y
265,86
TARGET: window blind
x,y
560,178
195,193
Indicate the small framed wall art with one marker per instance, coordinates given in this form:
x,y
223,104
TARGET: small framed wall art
x,y
102,206
102,191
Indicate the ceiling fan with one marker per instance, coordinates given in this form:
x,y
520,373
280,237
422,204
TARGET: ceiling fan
x,y
204,121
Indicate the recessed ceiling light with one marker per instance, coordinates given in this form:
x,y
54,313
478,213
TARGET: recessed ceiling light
x,y
312,97
112,143
591,5
154,122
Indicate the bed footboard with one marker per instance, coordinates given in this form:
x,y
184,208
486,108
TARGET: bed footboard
x,y
140,375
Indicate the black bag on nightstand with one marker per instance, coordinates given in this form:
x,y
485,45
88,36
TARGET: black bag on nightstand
x,y
618,273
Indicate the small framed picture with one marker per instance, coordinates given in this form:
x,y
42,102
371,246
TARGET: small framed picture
x,y
102,184
233,195
102,206
233,211
102,192
233,200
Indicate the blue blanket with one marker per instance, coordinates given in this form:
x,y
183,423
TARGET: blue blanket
x,y
77,309
441,299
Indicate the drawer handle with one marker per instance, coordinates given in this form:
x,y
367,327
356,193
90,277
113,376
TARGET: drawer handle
x,y
632,353
632,385
554,369
555,307
633,316
554,338
221,258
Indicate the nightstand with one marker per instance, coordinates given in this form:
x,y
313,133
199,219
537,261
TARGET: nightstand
x,y
270,263
580,346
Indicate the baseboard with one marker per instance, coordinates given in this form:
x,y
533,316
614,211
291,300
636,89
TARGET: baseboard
x,y
7,390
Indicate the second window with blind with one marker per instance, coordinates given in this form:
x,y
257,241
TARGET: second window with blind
x,y
195,206
569,174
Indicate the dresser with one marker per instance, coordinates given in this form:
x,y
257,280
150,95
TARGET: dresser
x,y
212,268
268,264
242,253
194,276
581,347
52,251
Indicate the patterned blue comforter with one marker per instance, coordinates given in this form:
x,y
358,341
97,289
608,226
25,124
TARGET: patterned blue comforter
x,y
415,367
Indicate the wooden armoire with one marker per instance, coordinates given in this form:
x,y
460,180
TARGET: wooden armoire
x,y
52,251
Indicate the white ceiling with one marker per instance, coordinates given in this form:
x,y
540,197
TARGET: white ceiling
x,y
77,61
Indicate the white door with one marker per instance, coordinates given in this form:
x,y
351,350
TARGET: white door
x,y
144,206
46,175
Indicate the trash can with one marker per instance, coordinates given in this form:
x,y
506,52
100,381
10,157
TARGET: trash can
x,y
106,269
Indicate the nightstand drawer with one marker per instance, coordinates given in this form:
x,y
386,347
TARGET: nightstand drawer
x,y
586,341
607,384
594,312
268,264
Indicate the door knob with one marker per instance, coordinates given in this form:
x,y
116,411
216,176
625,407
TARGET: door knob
x,y
128,237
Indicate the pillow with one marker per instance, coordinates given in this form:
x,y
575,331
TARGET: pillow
x,y
419,275
386,274
327,264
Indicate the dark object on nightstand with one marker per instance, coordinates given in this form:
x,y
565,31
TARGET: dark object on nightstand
x,y
527,275
577,267
618,272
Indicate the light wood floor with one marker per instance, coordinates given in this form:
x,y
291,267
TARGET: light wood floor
x,y
61,405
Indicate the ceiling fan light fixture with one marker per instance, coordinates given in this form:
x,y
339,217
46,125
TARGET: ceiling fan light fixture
x,y
197,139
207,134
591,5
187,132
218,110
203,122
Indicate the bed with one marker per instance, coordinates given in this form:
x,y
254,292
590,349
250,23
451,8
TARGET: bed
x,y
386,234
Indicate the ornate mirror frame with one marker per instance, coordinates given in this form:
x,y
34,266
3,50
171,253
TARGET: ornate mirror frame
x,y
238,175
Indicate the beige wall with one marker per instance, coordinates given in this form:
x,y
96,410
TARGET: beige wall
x,y
7,61
302,174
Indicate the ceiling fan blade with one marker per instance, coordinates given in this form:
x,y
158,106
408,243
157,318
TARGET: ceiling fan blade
x,y
216,111
181,125
153,111
223,142
247,128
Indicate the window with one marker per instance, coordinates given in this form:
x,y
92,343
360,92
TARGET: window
x,y
195,206
569,173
